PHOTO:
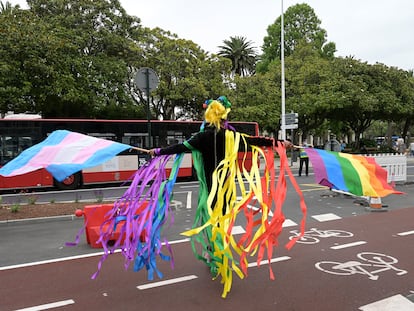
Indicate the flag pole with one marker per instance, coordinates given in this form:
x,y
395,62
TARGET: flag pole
x,y
141,149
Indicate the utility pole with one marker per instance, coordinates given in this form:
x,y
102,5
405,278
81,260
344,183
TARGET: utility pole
x,y
282,61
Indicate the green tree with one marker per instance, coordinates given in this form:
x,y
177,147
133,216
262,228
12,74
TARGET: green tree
x,y
188,75
301,25
364,93
73,57
241,53
257,98
309,86
21,39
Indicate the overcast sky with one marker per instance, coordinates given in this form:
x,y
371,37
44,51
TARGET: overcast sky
x,y
370,30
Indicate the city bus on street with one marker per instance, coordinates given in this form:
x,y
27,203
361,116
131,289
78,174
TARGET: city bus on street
x,y
17,135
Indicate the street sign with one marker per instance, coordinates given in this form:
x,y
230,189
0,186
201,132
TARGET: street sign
x,y
291,118
146,79
291,126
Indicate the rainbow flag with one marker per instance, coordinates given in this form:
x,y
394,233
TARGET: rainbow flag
x,y
62,154
356,174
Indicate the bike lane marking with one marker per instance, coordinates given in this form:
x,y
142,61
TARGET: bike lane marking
x,y
51,305
396,302
167,282
192,277
273,260
341,246
405,233
289,223
326,217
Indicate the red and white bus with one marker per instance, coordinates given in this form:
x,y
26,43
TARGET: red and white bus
x,y
19,134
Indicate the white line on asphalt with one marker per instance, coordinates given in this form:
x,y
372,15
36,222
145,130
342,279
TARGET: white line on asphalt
x,y
49,305
397,302
326,217
288,223
178,241
405,233
348,245
237,230
189,194
167,282
189,186
263,262
36,263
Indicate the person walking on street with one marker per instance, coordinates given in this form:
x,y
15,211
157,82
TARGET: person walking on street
x,y
303,159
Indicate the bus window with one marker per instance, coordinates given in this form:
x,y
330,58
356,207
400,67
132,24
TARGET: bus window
x,y
11,147
24,143
134,139
175,138
107,136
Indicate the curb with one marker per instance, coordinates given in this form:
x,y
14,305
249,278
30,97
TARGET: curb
x,y
40,219
174,205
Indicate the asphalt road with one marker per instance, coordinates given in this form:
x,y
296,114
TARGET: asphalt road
x,y
355,258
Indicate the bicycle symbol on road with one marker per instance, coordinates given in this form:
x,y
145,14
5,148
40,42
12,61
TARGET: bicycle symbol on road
x,y
312,236
374,264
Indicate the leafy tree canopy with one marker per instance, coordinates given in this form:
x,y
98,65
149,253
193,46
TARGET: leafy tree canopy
x,y
241,53
72,57
301,25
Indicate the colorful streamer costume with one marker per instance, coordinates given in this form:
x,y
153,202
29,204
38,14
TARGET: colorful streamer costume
x,y
224,197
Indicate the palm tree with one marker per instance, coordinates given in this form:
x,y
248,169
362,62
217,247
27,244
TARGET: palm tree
x,y
7,7
241,53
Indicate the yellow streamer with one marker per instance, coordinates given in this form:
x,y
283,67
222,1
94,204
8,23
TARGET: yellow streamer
x,y
228,181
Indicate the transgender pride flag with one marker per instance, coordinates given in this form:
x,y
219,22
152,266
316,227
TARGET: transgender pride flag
x,y
62,154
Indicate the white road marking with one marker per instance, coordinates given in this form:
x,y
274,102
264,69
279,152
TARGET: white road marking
x,y
326,217
349,245
188,186
175,204
397,302
189,194
49,305
255,208
178,241
289,223
277,259
37,263
167,282
238,230
405,233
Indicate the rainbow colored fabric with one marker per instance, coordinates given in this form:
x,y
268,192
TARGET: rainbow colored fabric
x,y
237,193
144,209
356,174
140,215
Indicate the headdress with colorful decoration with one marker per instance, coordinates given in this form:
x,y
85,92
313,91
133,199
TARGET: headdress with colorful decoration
x,y
216,111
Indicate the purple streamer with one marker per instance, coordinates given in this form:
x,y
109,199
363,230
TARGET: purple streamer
x,y
139,216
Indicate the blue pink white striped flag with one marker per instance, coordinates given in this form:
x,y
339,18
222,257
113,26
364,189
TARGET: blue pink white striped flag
x,y
62,154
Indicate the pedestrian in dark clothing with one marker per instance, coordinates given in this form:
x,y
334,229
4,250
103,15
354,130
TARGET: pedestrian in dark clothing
x,y
303,160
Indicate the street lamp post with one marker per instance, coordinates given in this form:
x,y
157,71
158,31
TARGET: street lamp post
x,y
282,61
